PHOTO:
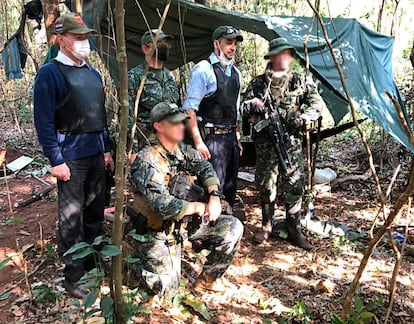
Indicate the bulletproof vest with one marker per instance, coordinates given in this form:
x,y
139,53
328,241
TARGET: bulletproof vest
x,y
221,107
83,108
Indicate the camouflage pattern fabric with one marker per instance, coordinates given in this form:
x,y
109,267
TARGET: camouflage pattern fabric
x,y
159,268
159,86
299,97
160,257
155,166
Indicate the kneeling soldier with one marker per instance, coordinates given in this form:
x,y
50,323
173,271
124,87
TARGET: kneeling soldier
x,y
166,210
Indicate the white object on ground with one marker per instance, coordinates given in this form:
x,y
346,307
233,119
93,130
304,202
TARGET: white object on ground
x,y
19,163
326,175
246,176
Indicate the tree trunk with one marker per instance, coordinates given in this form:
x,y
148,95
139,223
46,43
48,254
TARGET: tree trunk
x,y
50,12
380,12
78,6
117,230
412,56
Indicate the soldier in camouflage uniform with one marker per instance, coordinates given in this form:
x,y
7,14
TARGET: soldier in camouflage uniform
x,y
160,257
159,86
299,105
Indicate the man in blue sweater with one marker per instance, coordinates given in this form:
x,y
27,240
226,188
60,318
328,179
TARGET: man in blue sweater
x,y
70,119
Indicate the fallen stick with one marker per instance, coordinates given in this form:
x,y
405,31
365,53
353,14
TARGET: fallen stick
x,y
34,198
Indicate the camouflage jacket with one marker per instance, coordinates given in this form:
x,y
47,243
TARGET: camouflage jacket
x,y
155,166
300,97
159,86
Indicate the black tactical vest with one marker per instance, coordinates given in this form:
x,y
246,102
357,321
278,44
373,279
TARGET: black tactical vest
x,y
83,108
221,107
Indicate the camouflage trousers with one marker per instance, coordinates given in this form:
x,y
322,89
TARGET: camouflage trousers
x,y
268,172
159,268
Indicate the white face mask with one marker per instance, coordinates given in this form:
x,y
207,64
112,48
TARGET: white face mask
x,y
224,60
82,49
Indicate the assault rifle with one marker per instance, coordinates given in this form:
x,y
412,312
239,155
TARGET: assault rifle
x,y
273,126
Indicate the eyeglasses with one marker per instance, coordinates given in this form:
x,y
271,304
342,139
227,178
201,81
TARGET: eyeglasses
x,y
229,31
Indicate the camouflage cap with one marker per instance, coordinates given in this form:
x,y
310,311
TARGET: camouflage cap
x,y
150,35
71,23
167,111
227,32
277,45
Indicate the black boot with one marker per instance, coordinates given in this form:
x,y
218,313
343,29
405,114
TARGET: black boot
x,y
268,210
295,235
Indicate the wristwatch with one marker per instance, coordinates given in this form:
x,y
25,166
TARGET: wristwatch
x,y
215,193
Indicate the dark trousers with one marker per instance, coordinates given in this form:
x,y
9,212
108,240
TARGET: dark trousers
x,y
225,156
81,209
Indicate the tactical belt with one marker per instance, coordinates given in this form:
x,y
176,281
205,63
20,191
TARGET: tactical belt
x,y
219,131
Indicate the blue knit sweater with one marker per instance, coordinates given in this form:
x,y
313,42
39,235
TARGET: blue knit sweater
x,y
50,88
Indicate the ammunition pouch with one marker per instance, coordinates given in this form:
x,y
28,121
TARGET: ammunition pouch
x,y
182,188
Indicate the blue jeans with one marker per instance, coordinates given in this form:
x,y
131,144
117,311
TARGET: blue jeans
x,y
225,156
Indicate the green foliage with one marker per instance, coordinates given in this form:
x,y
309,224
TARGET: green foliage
x,y
198,306
16,220
90,299
133,300
137,237
360,313
298,312
4,262
6,295
43,293
185,301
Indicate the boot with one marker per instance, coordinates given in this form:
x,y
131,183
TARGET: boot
x,y
295,235
268,210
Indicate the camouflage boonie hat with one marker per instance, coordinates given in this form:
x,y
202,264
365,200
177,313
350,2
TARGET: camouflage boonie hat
x,y
167,111
277,45
72,23
150,35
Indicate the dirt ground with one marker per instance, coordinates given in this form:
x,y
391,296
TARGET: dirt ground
x,y
270,278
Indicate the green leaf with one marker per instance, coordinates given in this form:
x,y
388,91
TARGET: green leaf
x,y
75,303
90,299
267,321
110,250
100,239
4,262
198,306
183,283
283,235
77,247
91,312
336,320
140,238
18,220
366,315
107,306
83,253
144,309
205,253
358,305
5,295
130,259
178,299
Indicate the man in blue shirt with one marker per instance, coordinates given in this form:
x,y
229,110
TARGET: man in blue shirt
x,y
213,102
70,119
